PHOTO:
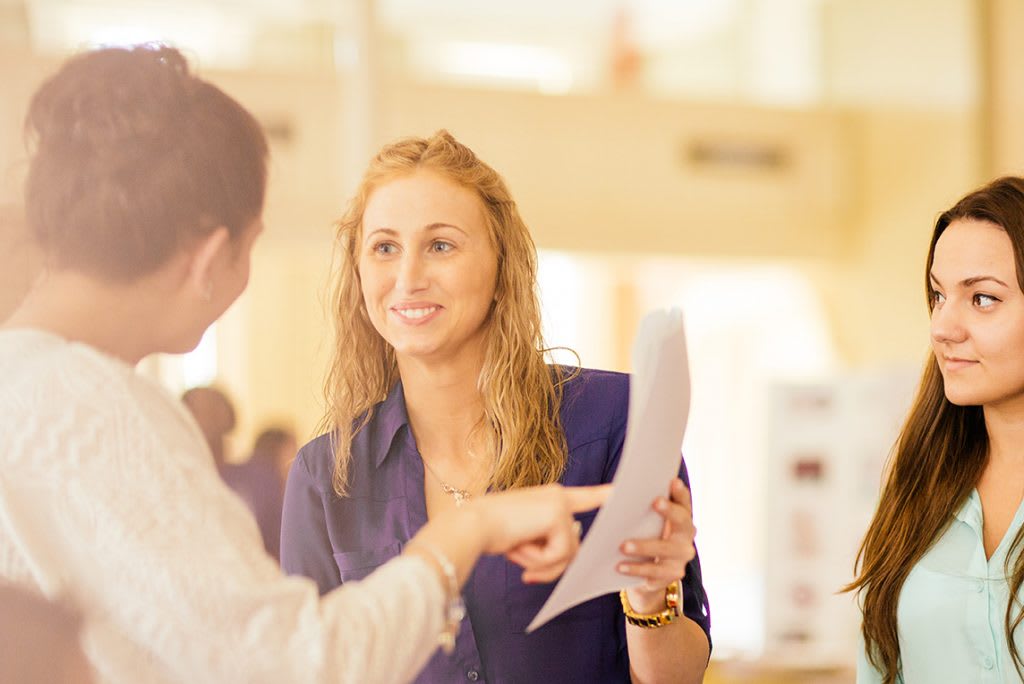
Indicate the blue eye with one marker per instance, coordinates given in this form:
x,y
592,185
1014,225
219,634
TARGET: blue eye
x,y
441,246
384,248
984,301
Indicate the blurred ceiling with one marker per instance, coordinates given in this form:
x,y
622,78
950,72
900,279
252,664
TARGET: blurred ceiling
x,y
775,52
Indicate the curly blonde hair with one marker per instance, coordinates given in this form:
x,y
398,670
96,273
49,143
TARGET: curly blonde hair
x,y
521,392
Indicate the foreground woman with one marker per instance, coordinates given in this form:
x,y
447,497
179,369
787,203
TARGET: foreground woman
x,y
145,192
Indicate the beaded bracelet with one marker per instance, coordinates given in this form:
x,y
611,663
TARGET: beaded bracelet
x,y
455,607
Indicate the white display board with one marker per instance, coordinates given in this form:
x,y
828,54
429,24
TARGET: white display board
x,y
828,444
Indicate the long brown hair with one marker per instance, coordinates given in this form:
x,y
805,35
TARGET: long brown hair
x,y
521,393
936,462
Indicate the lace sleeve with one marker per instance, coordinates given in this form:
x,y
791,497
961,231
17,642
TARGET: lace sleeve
x,y
119,513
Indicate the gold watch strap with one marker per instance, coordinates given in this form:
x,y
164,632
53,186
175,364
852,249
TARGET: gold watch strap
x,y
673,601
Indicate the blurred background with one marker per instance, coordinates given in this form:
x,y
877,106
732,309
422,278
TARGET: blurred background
x,y
772,167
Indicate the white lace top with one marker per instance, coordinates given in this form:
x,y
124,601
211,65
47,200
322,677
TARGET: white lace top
x,y
109,497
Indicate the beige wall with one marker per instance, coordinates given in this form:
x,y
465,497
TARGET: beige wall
x,y
1006,103
20,74
910,167
612,172
19,259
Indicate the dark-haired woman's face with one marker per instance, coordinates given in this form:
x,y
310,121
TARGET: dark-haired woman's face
x,y
977,324
226,279
235,273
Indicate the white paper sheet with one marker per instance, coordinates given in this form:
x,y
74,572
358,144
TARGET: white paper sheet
x,y
659,403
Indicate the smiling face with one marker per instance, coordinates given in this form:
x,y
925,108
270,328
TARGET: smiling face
x,y
427,267
977,324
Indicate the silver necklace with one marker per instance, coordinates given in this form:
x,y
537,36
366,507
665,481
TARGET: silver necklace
x,y
461,496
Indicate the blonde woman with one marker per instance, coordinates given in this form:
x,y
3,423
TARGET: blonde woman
x,y
439,393
145,192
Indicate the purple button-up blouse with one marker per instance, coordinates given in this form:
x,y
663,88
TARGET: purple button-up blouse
x,y
335,540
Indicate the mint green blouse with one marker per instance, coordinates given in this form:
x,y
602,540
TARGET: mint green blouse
x,y
952,609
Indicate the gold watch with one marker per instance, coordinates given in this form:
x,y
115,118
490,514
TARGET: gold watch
x,y
673,601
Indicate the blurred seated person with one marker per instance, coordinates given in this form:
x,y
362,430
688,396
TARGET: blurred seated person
x,y
215,415
260,481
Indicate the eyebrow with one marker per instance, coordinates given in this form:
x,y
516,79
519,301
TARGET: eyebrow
x,y
430,226
973,280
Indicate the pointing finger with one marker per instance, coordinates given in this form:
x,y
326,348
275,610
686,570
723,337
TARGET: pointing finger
x,y
586,498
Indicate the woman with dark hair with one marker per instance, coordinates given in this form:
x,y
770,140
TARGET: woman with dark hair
x,y
940,570
145,192
440,392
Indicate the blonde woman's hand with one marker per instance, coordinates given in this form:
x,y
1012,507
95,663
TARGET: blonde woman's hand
x,y
661,560
533,527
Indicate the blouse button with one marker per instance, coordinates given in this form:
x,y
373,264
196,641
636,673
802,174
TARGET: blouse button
x,y
472,675
987,662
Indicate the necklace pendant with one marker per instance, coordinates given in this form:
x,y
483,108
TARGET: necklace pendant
x,y
461,496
